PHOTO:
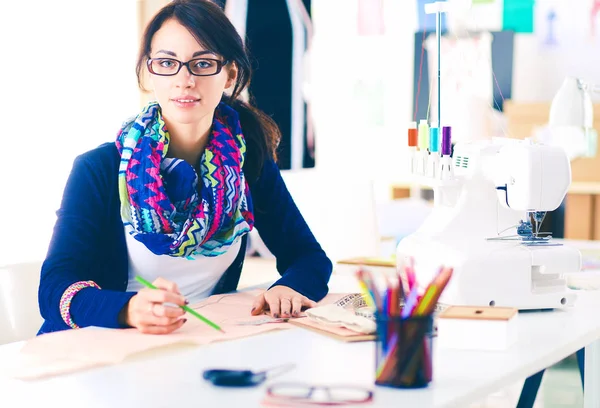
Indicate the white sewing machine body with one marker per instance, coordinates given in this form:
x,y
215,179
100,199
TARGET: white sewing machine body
x,y
495,184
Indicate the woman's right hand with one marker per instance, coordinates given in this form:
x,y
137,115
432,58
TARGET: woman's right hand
x,y
148,312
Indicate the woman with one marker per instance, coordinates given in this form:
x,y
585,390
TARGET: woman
x,y
174,197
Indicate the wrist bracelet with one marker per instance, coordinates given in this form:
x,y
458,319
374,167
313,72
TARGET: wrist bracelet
x,y
65,300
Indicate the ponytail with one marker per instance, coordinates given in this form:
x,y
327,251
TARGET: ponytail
x,y
261,133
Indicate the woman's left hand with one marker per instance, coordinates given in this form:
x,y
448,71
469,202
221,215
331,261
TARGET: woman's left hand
x,y
281,301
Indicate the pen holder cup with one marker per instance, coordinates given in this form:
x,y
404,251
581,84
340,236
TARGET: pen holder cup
x,y
404,351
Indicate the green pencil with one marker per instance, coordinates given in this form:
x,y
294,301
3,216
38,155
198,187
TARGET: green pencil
x,y
186,308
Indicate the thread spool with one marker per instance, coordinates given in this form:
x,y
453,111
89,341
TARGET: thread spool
x,y
412,134
446,141
434,139
423,135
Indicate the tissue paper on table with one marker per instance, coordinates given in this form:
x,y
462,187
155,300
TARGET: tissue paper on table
x,y
333,315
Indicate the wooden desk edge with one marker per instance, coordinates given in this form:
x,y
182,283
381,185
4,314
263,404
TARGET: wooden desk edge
x,y
578,187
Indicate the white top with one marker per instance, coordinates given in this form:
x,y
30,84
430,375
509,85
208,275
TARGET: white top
x,y
196,276
460,377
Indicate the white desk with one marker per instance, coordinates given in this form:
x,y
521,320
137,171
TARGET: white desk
x,y
173,378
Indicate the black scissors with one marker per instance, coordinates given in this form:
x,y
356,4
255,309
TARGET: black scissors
x,y
243,378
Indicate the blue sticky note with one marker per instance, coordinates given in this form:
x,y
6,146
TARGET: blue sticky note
x,y
518,16
427,21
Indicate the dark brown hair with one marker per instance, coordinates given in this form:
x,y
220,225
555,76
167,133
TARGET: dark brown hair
x,y
212,29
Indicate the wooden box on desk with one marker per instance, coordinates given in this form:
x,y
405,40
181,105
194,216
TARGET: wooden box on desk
x,y
385,266
581,216
524,117
477,328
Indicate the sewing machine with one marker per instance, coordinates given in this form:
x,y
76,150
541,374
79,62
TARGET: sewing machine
x,y
489,203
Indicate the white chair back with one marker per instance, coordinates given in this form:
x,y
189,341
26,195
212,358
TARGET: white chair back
x,y
20,317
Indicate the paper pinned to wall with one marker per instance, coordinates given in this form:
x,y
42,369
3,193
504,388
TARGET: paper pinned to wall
x,y
517,15
595,19
550,18
483,15
370,17
569,26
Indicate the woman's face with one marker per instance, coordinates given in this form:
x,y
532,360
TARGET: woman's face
x,y
185,98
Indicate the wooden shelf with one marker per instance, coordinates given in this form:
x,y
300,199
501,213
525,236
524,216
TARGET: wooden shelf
x,y
580,187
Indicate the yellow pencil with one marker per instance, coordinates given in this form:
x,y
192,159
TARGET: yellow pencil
x,y
368,298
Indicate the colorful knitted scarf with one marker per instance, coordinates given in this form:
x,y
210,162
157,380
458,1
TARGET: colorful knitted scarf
x,y
160,203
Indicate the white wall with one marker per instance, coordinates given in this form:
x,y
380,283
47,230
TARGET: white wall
x,y
540,67
539,71
361,88
67,83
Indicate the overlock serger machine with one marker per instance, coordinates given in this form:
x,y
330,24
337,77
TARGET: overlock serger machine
x,y
490,198
489,203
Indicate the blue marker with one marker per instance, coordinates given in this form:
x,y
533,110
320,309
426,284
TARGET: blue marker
x,y
411,302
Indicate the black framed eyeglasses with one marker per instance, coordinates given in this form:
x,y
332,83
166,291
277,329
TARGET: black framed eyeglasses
x,y
196,66
319,395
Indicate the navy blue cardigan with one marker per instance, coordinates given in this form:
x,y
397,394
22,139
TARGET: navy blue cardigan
x,y
88,243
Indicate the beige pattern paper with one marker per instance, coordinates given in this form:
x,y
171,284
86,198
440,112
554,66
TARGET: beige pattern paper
x,y
75,350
